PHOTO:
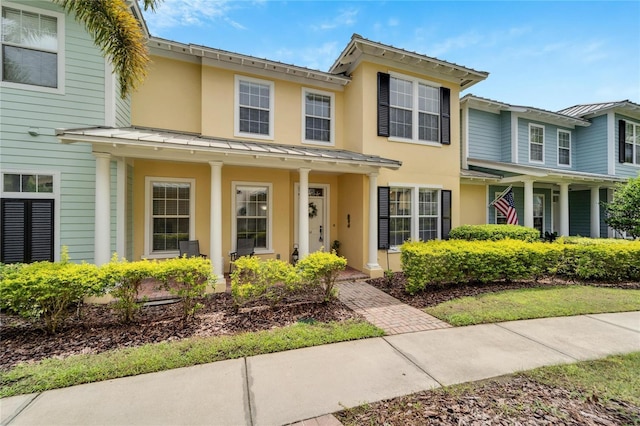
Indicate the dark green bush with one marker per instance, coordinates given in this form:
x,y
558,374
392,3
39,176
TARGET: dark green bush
x,y
494,233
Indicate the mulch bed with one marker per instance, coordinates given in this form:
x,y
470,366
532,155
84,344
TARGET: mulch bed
x,y
505,401
98,328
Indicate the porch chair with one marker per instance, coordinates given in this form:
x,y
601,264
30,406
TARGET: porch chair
x,y
190,248
244,247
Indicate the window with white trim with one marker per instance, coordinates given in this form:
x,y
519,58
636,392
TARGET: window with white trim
x,y
252,214
399,215
538,212
632,143
413,101
171,214
414,213
27,182
536,143
254,107
32,43
564,148
318,117
428,214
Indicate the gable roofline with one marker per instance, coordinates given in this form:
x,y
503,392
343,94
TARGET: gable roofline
x,y
360,47
539,114
591,110
245,63
137,13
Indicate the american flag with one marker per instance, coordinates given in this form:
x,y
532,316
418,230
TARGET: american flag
x,y
507,207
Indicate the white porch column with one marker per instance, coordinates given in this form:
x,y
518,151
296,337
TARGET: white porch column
x,y
303,214
595,212
564,209
372,262
102,233
215,227
528,203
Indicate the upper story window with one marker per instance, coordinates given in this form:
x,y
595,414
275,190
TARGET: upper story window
x,y
564,148
318,117
630,138
254,108
410,109
536,143
32,48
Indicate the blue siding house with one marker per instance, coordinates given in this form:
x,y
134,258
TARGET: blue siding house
x,y
561,165
53,77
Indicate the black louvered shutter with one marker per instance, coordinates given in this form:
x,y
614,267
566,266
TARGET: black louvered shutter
x,y
445,116
383,217
27,230
384,90
445,215
621,140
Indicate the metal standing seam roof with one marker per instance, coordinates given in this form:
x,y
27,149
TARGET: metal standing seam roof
x,y
585,109
153,137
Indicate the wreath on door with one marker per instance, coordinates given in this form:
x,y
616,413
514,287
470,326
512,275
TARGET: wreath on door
x,y
313,210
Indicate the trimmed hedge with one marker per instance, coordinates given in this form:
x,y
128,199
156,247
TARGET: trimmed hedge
x,y
492,232
439,262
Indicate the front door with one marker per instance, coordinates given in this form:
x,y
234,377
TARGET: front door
x,y
317,231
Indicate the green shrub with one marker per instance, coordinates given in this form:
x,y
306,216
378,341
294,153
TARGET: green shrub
x,y
455,261
44,291
123,280
186,278
254,279
321,269
494,233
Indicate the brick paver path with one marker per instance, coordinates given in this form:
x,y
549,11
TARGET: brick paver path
x,y
385,311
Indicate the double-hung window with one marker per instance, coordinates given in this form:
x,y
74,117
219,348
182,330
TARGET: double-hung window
x,y
629,142
536,143
254,108
564,148
410,109
170,204
318,117
32,45
252,214
412,213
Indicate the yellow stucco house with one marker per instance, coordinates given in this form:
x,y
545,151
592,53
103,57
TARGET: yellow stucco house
x,y
226,146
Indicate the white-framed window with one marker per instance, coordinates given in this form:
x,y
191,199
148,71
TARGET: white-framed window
x,y
538,212
536,143
414,113
169,215
564,148
32,48
318,117
251,213
32,183
414,213
254,107
632,143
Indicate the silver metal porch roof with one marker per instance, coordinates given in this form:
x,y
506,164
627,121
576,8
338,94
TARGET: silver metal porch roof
x,y
587,109
160,139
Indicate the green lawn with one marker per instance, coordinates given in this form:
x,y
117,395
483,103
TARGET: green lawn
x,y
535,303
58,373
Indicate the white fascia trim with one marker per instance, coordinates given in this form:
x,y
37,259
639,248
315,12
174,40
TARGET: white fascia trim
x,y
611,143
236,118
514,137
109,94
148,223
558,146
60,52
234,219
531,125
332,117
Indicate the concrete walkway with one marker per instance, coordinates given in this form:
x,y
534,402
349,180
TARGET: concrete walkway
x,y
291,386
385,311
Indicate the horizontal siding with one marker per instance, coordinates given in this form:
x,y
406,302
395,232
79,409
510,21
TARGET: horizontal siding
x,y
505,136
580,213
604,229
591,147
550,144
624,169
484,135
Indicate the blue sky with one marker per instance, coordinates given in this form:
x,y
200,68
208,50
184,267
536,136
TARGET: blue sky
x,y
543,54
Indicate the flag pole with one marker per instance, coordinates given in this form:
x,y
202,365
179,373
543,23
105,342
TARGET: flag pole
x,y
500,195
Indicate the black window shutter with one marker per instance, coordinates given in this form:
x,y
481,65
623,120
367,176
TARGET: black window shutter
x,y
26,234
383,217
445,216
445,116
384,92
621,140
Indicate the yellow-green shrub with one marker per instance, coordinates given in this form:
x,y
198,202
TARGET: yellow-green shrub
x,y
44,291
321,269
186,278
601,260
491,232
254,279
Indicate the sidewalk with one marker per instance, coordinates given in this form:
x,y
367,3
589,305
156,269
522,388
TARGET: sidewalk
x,y
301,384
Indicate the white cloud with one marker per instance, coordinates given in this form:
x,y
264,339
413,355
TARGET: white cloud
x,y
184,13
315,57
346,18
393,22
